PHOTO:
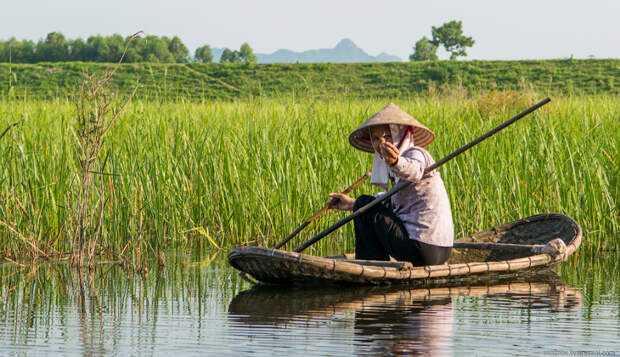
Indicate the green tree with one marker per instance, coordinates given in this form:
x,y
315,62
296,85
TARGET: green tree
x,y
230,56
116,44
178,50
27,51
78,50
450,35
226,55
424,50
135,52
98,49
133,55
104,49
53,49
157,51
203,54
246,54
17,51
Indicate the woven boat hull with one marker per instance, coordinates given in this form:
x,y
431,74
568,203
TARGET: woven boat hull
x,y
465,266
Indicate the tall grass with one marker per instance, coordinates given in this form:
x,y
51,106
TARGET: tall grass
x,y
220,174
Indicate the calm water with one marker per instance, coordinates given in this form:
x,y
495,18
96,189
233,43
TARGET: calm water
x,y
198,306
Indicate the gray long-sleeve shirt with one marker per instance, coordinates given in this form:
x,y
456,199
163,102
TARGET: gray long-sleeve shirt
x,y
423,206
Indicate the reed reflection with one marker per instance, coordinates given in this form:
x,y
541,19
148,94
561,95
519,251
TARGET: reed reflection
x,y
55,308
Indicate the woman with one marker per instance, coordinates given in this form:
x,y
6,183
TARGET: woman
x,y
415,225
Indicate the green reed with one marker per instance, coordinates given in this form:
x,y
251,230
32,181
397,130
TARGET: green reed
x,y
220,174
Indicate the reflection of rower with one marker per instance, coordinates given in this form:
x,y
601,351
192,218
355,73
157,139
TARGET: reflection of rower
x,y
393,319
404,328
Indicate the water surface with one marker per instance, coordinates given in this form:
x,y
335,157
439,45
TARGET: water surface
x,y
199,306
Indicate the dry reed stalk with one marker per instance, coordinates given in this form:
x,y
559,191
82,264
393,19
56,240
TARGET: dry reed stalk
x,y
97,110
36,251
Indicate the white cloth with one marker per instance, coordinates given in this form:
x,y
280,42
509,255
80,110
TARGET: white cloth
x,y
380,174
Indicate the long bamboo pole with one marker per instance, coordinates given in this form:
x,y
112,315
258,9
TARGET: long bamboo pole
x,y
402,184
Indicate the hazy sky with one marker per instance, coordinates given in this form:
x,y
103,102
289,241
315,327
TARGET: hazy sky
x,y
502,29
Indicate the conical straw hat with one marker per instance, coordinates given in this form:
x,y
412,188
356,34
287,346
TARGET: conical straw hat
x,y
391,114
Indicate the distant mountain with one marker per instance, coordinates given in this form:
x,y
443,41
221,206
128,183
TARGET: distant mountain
x,y
345,51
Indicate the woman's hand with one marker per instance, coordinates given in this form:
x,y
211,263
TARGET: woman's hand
x,y
340,201
389,152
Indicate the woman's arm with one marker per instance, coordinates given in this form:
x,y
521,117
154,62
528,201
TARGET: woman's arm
x,y
410,166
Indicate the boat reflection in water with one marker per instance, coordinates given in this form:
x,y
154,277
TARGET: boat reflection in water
x,y
392,320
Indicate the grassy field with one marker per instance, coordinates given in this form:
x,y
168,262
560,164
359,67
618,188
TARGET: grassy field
x,y
183,175
196,82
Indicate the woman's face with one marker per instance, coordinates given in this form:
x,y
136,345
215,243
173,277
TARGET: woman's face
x,y
380,134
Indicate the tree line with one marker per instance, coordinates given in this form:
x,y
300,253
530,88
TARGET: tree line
x,y
55,47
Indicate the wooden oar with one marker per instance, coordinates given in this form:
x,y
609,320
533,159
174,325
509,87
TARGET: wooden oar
x,y
403,183
245,277
320,212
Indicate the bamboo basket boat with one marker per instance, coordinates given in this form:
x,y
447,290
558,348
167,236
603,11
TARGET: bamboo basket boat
x,y
521,247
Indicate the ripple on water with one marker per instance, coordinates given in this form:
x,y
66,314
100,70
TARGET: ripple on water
x,y
202,311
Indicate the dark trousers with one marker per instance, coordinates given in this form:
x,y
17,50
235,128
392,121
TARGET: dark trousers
x,y
379,233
